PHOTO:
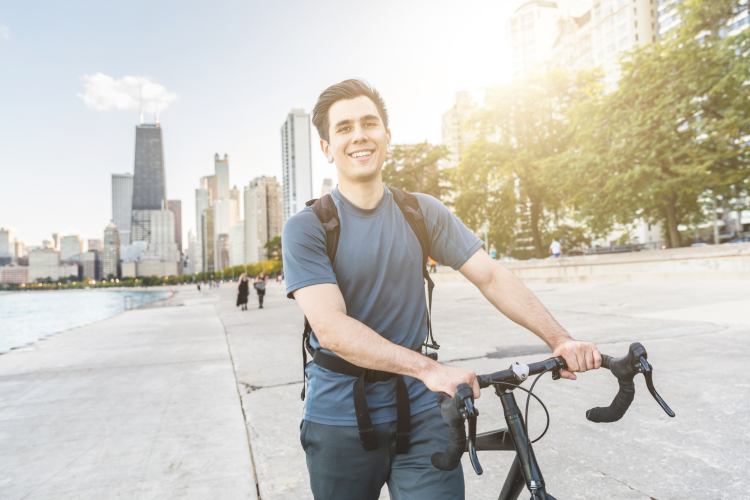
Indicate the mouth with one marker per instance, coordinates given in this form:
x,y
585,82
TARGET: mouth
x,y
361,154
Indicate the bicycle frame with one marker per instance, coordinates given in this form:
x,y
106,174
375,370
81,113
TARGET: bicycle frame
x,y
525,470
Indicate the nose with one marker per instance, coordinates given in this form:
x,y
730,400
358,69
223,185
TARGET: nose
x,y
359,135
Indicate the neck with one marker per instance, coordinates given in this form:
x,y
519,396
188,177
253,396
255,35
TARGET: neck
x,y
363,194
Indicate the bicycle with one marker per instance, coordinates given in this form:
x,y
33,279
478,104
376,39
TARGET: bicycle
x,y
525,470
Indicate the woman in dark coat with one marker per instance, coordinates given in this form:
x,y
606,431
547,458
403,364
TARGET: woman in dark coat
x,y
242,292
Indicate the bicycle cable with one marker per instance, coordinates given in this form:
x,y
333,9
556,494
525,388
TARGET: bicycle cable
x,y
535,397
526,416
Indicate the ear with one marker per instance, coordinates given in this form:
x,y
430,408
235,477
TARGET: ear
x,y
325,147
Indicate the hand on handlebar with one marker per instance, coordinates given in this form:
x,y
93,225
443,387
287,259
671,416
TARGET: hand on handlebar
x,y
444,378
580,357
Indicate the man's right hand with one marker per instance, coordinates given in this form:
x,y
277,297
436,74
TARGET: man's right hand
x,y
444,378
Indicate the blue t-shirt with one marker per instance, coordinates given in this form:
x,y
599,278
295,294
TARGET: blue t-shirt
x,y
378,268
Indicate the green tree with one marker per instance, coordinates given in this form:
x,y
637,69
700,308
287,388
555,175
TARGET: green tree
x,y
512,175
672,130
416,168
273,249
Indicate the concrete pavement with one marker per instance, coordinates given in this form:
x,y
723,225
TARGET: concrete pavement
x,y
142,405
146,404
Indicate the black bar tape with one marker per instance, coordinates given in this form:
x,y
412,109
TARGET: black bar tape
x,y
457,442
617,409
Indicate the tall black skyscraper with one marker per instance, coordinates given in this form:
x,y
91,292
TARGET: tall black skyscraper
x,y
149,186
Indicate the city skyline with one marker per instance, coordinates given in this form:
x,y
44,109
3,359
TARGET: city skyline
x,y
211,97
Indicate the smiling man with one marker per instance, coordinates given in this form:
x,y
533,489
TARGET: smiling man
x,y
370,417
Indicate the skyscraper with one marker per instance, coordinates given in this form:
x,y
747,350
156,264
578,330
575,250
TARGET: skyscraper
x,y
296,162
71,247
122,205
221,173
207,228
7,248
175,206
111,253
149,186
456,132
202,202
263,216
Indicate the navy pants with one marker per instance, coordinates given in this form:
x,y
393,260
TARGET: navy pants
x,y
340,469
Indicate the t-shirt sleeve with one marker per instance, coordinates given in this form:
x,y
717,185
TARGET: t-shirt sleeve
x,y
303,246
451,242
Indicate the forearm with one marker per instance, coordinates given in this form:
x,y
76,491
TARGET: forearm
x,y
362,346
511,297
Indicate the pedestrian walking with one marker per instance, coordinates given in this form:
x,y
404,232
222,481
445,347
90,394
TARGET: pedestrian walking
x,y
243,289
493,252
260,288
554,248
433,265
199,287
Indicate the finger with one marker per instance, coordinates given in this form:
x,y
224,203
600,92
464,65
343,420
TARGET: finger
x,y
597,358
568,375
589,359
571,361
475,386
581,356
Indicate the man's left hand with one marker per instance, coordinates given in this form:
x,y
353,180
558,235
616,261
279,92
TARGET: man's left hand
x,y
580,357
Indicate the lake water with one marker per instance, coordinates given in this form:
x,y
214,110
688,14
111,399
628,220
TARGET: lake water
x,y
26,317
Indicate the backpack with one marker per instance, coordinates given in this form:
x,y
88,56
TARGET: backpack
x,y
325,210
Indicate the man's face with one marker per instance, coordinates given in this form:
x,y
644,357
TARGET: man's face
x,y
358,139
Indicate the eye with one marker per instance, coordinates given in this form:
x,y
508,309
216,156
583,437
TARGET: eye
x,y
344,129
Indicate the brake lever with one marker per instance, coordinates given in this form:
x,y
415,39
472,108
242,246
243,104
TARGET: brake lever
x,y
470,413
648,373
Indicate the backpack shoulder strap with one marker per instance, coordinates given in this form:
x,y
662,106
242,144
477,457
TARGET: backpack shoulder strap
x,y
325,210
409,206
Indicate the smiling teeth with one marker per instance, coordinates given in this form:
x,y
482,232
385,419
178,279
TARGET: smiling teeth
x,y
361,154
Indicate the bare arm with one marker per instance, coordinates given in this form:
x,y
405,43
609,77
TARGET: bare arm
x,y
512,298
352,340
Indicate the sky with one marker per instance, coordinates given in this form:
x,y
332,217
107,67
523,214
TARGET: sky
x,y
224,76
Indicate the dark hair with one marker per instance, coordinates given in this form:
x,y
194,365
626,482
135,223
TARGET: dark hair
x,y
344,91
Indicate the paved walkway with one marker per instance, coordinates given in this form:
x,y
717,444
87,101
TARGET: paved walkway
x,y
141,406
146,405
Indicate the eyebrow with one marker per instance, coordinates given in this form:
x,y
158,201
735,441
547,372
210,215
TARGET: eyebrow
x,y
350,121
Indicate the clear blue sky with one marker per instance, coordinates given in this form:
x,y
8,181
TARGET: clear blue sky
x,y
236,69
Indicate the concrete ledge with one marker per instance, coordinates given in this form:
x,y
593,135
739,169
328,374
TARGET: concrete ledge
x,y
718,262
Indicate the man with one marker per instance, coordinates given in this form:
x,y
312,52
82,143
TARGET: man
x,y
554,249
374,315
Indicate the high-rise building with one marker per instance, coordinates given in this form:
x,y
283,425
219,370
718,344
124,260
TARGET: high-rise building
x,y
457,133
222,251
21,250
263,216
95,244
149,185
44,263
7,246
161,243
225,215
71,246
56,241
221,173
296,162
122,205
92,265
175,206
208,243
532,30
237,244
111,252
202,202
234,194
192,254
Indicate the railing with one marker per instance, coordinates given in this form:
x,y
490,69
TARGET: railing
x,y
126,302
